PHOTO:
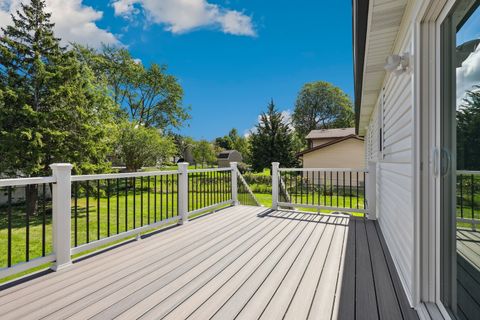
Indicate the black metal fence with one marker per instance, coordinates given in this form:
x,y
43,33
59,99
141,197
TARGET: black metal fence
x,y
25,223
329,189
468,199
208,187
105,207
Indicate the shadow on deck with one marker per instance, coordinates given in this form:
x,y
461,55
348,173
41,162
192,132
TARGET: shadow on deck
x,y
242,262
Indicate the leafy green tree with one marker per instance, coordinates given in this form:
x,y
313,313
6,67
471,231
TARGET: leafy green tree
x,y
53,109
468,131
149,96
272,141
233,141
320,105
204,152
139,147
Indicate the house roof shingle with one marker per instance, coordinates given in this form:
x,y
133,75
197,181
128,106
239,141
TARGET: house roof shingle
x,y
330,133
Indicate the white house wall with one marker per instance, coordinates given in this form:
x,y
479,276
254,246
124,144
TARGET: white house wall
x,y
395,167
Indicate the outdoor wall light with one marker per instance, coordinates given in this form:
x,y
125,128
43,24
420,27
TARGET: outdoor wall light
x,y
397,63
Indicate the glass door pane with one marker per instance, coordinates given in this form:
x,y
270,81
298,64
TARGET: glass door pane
x,y
460,160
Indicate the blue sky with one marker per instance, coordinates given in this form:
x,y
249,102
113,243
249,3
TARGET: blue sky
x,y
230,56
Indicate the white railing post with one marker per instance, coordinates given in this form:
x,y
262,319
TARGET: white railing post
x,y
61,213
182,193
371,192
275,166
233,165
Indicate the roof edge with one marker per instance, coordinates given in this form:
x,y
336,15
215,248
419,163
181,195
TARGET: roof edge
x,y
352,136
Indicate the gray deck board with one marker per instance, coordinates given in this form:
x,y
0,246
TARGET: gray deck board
x,y
240,263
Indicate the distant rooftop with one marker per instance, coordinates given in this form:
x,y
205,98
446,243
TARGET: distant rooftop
x,y
330,133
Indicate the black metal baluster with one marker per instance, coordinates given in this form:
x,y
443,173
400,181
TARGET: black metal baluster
x,y
472,187
161,198
9,222
197,189
331,188
148,199
319,187
108,208
134,202
141,201
166,196
338,186
357,189
126,204
364,191
27,230
75,208
306,181
461,194
98,209
87,194
351,205
324,188
154,198
44,219
344,189
118,204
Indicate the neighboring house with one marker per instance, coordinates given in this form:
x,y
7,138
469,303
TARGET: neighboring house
x,y
333,148
406,110
224,158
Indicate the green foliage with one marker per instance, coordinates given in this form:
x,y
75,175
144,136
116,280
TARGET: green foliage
x,y
204,152
149,95
233,141
52,109
272,141
468,131
139,146
320,105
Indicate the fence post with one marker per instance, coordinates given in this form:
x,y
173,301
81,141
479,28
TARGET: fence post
x,y
233,165
182,193
275,166
61,214
371,185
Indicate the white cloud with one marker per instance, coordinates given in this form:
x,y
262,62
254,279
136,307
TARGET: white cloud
x,y
74,22
468,74
180,16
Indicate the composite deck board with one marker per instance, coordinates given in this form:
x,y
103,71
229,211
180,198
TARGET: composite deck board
x,y
239,263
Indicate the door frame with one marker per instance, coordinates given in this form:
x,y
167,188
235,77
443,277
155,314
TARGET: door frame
x,y
430,15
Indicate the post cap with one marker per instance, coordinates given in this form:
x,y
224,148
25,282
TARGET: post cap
x,y
56,166
275,164
233,164
183,165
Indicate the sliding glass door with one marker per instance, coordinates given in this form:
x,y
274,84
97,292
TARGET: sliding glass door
x,y
460,160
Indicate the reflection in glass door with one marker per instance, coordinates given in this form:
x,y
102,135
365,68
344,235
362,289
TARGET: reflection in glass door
x,y
460,160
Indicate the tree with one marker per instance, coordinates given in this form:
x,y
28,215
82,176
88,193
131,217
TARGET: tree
x,y
139,146
468,131
149,96
233,141
272,141
53,109
320,105
204,152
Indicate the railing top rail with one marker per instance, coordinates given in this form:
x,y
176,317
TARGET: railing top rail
x,y
323,169
467,172
209,170
122,175
25,181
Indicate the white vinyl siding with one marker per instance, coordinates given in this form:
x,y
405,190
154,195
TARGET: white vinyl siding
x,y
394,171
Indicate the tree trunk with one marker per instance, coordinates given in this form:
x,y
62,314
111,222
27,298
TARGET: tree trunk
x,y
31,199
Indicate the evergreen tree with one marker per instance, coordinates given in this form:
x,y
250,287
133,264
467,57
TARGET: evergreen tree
x,y
53,108
272,142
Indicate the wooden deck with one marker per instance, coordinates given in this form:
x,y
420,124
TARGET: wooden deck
x,y
468,273
241,262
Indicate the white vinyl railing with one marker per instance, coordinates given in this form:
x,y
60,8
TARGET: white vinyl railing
x,y
84,212
332,189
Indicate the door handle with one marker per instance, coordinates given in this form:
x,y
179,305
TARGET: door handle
x,y
445,162
436,162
